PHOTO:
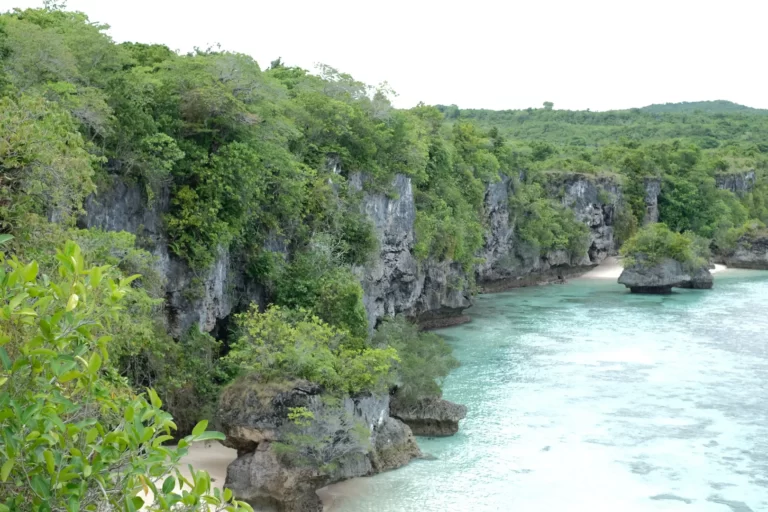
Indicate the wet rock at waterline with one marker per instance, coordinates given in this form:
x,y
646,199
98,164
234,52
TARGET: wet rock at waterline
x,y
661,277
429,416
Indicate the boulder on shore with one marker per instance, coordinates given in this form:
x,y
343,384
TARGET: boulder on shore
x,y
751,252
429,416
292,439
661,277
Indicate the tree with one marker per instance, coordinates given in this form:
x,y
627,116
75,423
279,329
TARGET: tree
x,y
74,436
548,105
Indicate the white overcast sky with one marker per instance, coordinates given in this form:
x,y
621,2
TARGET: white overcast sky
x,y
579,54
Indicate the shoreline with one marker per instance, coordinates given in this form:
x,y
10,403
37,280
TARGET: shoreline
x,y
214,457
611,268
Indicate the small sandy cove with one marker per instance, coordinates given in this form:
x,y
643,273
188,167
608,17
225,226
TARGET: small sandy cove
x,y
214,458
611,268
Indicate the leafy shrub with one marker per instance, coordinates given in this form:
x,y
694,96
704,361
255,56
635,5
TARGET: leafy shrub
x,y
284,343
727,239
544,223
316,280
655,242
74,435
425,358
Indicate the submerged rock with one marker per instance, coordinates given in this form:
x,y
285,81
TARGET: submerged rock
x,y
661,277
429,416
283,458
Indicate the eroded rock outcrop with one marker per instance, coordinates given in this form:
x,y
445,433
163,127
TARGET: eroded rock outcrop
x,y
507,262
193,297
661,277
429,416
652,191
431,292
283,459
751,251
740,183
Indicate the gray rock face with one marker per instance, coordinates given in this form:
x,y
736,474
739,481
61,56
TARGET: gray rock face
x,y
507,262
663,276
277,470
192,297
701,279
434,293
652,191
396,282
429,416
739,183
751,252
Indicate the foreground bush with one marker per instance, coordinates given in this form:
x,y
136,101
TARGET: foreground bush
x,y
73,435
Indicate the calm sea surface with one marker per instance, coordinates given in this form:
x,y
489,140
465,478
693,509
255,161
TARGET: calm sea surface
x,y
584,397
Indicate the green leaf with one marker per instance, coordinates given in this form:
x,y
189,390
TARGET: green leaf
x,y
94,364
5,359
154,399
169,484
14,303
5,470
200,428
50,464
41,486
211,435
72,302
91,436
4,508
29,273
5,239
68,376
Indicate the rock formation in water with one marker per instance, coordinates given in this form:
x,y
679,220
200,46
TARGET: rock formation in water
x,y
284,457
429,416
751,251
661,277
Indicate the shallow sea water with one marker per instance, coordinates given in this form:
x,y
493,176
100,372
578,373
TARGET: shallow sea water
x,y
583,397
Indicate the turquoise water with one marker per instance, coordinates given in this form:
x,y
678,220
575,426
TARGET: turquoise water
x,y
584,397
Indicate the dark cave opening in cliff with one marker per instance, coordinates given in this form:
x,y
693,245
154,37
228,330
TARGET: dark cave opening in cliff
x,y
224,331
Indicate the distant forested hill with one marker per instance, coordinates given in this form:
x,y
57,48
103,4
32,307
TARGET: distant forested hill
x,y
707,124
710,107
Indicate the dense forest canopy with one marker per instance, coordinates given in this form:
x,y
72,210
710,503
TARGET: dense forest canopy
x,y
247,156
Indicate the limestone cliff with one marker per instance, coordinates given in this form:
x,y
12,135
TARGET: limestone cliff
x,y
396,282
192,297
507,262
740,183
435,293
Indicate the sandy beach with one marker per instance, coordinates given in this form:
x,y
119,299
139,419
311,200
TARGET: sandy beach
x,y
211,456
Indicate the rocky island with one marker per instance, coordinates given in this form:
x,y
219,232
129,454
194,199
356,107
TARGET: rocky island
x,y
657,260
